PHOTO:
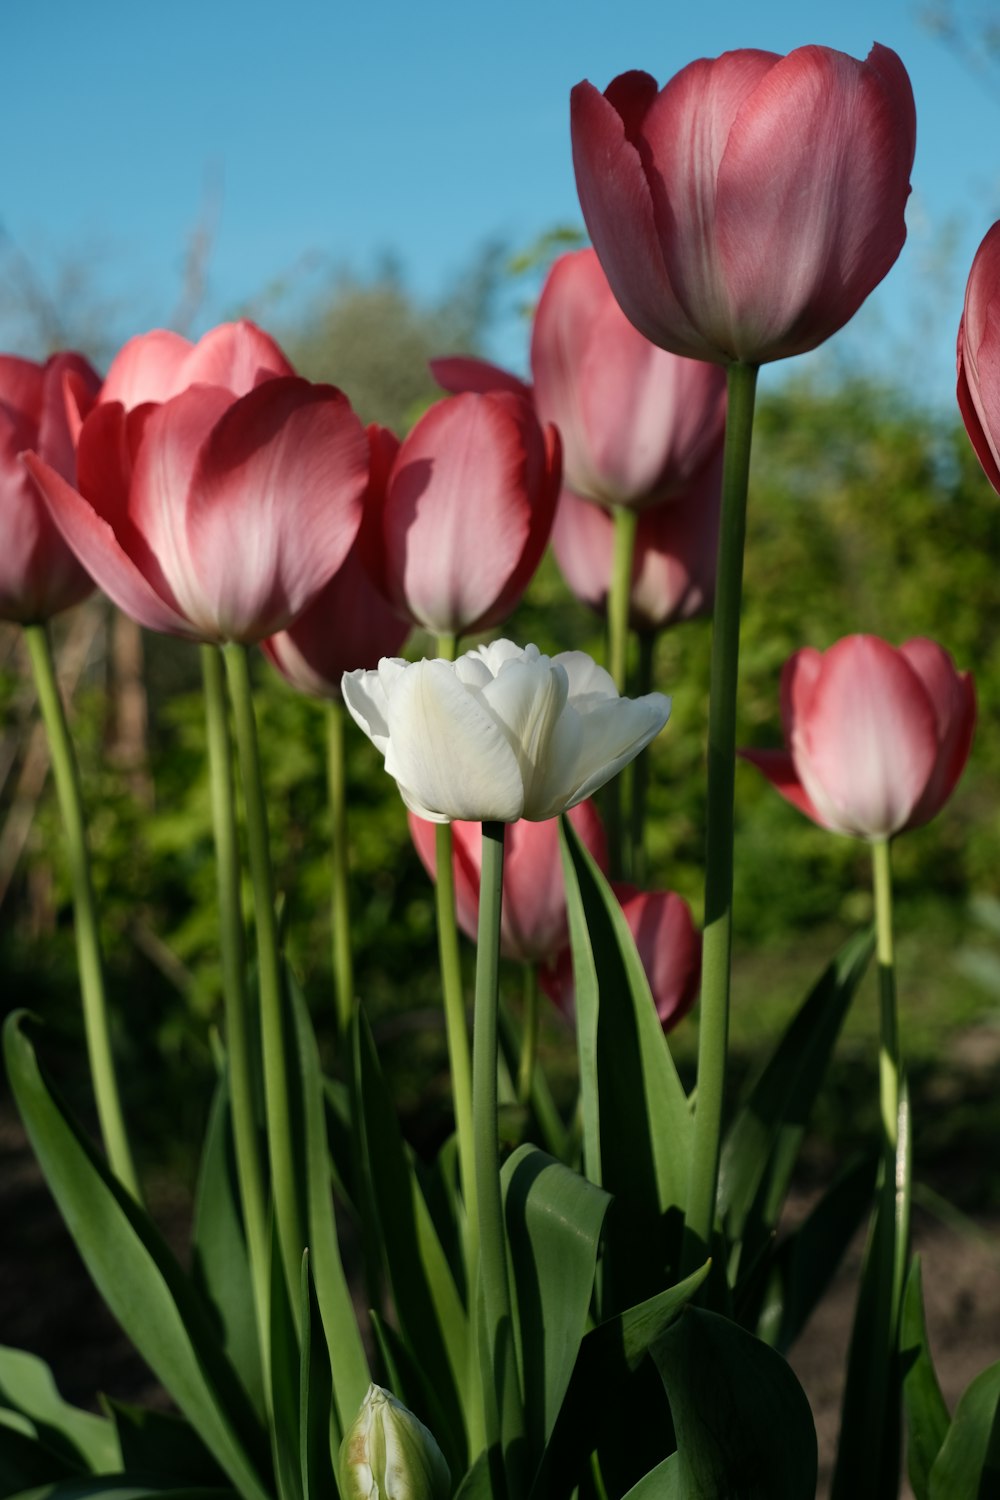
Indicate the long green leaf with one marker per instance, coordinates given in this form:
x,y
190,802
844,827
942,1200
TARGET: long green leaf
x,y
25,1460
743,1425
156,1442
138,1277
284,1344
220,1267
27,1385
762,1143
927,1418
348,1362
661,1483
636,1120
319,1432
554,1220
969,1462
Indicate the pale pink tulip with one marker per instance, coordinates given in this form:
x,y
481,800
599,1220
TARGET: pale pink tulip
x,y
39,409
979,356
877,737
349,624
466,513
746,210
533,924
158,365
673,566
668,944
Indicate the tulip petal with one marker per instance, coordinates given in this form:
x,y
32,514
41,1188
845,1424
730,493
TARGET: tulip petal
x,y
979,356
238,356
526,698
953,697
447,753
458,373
588,748
589,684
146,368
366,694
779,768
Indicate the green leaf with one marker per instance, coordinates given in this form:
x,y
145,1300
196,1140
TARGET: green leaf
x,y
431,1317
762,1143
138,1277
636,1121
927,1418
554,1220
661,1483
347,1360
285,1366
320,1434
220,1266
969,1462
154,1442
27,1385
743,1425
476,1485
117,1487
25,1460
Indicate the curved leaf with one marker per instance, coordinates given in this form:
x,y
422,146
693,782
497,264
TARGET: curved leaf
x,y
927,1418
969,1461
27,1385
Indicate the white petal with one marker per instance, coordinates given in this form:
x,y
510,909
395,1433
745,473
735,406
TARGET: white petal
x,y
365,696
472,670
609,736
496,653
589,684
526,698
450,755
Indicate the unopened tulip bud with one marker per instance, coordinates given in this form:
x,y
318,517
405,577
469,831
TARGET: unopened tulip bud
x,y
389,1455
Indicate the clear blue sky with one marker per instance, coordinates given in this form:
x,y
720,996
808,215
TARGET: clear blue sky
x,y
345,130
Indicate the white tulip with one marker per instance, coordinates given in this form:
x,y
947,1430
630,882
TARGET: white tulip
x,y
502,733
388,1454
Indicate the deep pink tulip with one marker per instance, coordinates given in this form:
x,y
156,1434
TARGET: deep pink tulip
x,y
215,516
39,406
979,356
467,512
533,923
877,737
668,944
747,209
673,566
158,365
637,424
349,624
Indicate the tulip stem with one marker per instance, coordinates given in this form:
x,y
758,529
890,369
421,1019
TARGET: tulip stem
x,y
640,767
340,906
456,1028
713,1034
277,1104
891,1073
529,1036
239,1054
503,1405
96,1025
625,522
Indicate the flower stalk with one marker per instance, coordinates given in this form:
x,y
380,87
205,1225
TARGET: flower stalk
x,y
340,905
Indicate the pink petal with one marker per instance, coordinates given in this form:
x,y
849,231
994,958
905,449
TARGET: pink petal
x,y
979,356
953,696
458,373
779,768
238,356
466,862
669,946
147,368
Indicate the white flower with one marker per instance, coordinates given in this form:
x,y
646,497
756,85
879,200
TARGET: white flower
x,y
387,1454
502,733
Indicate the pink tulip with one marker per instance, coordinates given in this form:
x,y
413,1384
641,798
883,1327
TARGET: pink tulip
x,y
349,624
747,209
533,924
158,365
979,356
877,737
467,513
668,944
214,516
637,424
39,407
673,566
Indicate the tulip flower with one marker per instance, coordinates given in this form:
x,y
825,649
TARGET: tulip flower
x,y
877,737
746,210
349,624
39,574
667,943
467,513
673,564
502,733
533,922
637,424
979,356
388,1454
158,365
214,516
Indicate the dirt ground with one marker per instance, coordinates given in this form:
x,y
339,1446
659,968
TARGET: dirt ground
x,y
48,1306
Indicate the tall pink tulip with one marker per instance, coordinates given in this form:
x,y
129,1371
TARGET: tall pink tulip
x,y
349,624
533,923
466,513
220,513
39,409
668,944
979,356
673,565
876,737
746,210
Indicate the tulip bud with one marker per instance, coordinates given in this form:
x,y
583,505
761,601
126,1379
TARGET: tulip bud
x,y
389,1455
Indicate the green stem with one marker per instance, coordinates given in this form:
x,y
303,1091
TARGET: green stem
x,y
503,1406
88,947
713,1035
456,1025
343,977
891,1073
239,1051
529,1036
640,766
277,1104
625,522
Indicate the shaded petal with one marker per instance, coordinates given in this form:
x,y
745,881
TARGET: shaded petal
x,y
589,684
979,356
953,696
589,748
461,372
237,356
466,862
779,768
147,368
526,698
446,752
366,694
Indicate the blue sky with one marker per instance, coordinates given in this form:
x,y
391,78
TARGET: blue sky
x,y
337,132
